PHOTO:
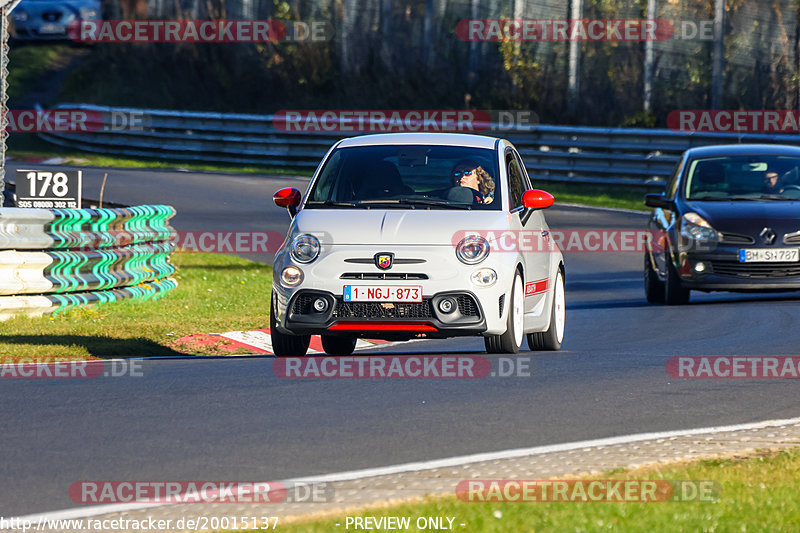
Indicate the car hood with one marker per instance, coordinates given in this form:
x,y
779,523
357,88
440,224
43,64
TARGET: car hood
x,y
395,226
747,217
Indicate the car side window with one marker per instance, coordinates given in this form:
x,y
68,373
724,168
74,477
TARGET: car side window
x,y
672,182
525,178
516,184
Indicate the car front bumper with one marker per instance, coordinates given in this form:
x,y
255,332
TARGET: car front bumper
x,y
723,271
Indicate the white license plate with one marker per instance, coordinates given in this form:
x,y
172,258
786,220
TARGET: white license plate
x,y
50,29
382,293
778,255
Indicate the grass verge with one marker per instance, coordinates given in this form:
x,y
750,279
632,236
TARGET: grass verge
x,y
24,146
619,197
215,293
756,494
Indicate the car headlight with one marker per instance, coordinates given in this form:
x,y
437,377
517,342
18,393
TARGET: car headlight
x,y
19,15
291,276
484,277
696,228
472,250
305,248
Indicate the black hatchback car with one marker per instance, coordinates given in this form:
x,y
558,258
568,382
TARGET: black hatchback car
x,y
729,221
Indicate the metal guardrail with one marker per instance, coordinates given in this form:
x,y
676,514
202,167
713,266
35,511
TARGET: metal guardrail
x,y
615,156
51,260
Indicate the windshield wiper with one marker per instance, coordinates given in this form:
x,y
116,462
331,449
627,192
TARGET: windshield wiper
x,y
330,203
437,203
777,197
720,199
416,201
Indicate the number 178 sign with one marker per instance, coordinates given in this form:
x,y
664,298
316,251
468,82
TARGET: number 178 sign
x,y
47,189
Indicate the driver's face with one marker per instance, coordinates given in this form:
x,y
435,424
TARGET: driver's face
x,y
771,179
466,177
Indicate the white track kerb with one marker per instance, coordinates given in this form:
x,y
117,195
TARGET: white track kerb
x,y
95,510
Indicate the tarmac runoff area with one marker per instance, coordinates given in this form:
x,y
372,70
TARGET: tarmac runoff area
x,y
347,493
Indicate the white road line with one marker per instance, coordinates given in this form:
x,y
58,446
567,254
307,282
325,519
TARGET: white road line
x,y
95,510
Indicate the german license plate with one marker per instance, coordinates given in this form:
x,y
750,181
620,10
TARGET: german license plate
x,y
382,293
761,255
51,29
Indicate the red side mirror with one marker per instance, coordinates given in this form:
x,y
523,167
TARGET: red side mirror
x,y
536,199
288,197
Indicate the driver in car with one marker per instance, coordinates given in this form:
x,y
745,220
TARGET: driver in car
x,y
772,183
468,173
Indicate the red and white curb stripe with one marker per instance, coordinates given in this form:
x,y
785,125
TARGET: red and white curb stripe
x,y
259,341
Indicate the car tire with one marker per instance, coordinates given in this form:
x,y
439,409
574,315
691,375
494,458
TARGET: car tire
x,y
551,339
511,340
653,287
674,292
338,345
285,345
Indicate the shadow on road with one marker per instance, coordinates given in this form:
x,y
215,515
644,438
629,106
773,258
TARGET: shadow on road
x,y
102,347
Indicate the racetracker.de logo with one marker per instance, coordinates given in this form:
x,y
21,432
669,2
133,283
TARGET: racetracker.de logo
x,y
598,241
209,491
401,367
198,31
47,368
382,120
586,490
735,121
564,30
734,367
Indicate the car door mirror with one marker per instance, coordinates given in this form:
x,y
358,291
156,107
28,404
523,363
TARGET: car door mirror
x,y
536,199
289,198
659,201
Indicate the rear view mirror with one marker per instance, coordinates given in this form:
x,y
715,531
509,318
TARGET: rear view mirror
x,y
288,198
658,200
536,199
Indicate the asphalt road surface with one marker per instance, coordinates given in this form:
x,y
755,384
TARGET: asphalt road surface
x,y
233,419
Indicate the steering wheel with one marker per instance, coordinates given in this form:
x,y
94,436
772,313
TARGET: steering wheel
x,y
793,187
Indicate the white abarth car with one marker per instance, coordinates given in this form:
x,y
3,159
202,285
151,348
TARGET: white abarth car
x,y
418,235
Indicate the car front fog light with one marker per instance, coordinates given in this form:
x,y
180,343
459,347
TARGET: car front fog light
x,y
320,305
447,305
291,276
700,267
484,277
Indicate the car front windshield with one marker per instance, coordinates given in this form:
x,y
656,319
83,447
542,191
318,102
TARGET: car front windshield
x,y
746,178
408,177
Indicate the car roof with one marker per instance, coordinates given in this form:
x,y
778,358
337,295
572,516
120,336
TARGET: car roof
x,y
743,149
443,139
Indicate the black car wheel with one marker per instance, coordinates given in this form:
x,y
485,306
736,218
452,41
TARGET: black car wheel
x,y
284,345
653,286
338,345
674,292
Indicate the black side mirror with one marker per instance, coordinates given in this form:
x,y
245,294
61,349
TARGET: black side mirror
x,y
658,200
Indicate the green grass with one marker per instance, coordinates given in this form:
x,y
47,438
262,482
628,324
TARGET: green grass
x,y
756,494
215,293
28,63
597,195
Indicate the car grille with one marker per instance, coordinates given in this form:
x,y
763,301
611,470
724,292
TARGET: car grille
x,y
735,238
751,270
792,238
52,16
302,304
410,310
467,306
383,275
